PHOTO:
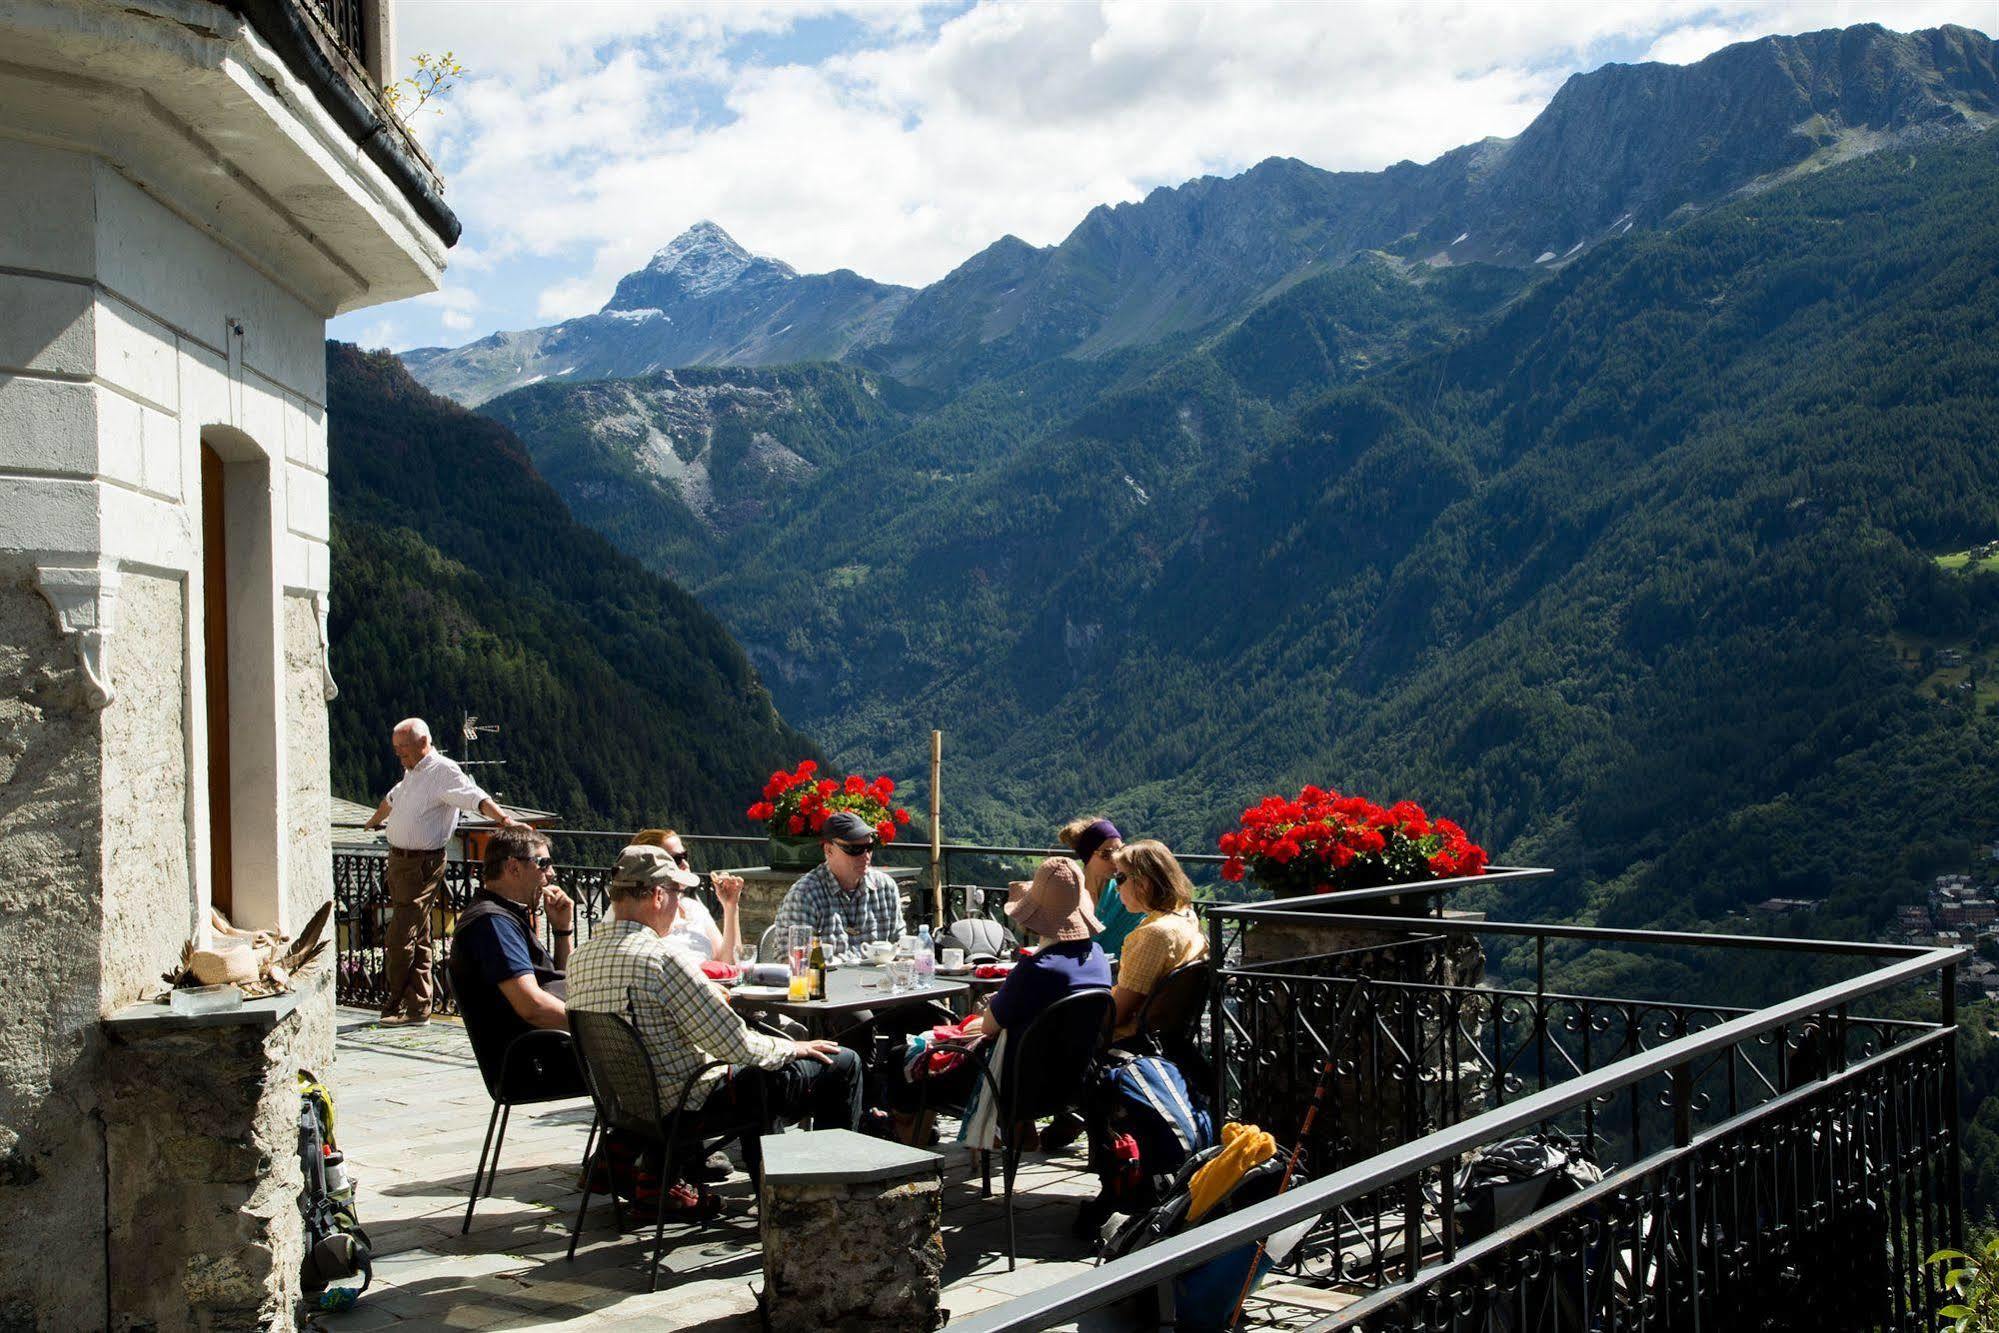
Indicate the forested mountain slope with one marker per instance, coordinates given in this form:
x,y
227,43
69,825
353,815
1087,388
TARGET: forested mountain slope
x,y
462,584
1618,577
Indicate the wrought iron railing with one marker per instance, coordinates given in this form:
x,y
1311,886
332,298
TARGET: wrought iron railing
x,y
1788,1165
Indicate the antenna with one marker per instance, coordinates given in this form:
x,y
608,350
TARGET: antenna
x,y
472,729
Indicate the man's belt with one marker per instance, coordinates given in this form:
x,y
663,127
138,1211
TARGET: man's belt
x,y
415,851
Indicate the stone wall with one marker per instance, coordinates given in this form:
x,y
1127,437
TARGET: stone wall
x,y
309,843
853,1256
149,897
202,1153
51,1153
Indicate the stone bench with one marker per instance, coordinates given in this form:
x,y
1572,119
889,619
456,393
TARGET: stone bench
x,y
851,1233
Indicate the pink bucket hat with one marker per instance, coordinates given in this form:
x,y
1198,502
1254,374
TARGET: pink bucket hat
x,y
1054,906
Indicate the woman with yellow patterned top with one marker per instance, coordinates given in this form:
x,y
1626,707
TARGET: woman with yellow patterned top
x,y
1168,937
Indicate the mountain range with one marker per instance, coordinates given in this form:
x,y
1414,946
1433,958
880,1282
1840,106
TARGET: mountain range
x,y
1582,485
1621,147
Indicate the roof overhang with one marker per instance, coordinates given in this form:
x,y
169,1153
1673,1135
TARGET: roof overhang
x,y
193,104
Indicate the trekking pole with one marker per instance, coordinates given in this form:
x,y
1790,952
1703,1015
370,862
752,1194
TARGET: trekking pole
x,y
1284,1183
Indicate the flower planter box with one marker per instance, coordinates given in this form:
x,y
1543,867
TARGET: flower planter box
x,y
794,853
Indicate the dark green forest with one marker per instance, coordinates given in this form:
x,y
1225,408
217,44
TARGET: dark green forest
x,y
461,584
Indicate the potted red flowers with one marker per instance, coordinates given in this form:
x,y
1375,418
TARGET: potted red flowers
x,y
796,804
1320,842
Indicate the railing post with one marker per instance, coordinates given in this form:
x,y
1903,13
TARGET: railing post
x,y
1540,1012
1948,984
1217,1029
1683,1104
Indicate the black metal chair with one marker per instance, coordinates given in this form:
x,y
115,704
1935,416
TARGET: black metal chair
x,y
1045,1070
620,1076
530,1068
1169,1021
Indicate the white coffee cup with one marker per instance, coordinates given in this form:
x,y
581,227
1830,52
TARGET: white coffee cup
x,y
952,958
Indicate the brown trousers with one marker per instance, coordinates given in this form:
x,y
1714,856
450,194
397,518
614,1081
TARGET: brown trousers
x,y
416,882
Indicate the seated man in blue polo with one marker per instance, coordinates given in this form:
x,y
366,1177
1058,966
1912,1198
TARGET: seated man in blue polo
x,y
506,982
845,886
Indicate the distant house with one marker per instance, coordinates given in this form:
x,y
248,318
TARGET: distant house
x,y
468,843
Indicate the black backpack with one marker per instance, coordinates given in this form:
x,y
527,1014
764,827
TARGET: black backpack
x,y
336,1248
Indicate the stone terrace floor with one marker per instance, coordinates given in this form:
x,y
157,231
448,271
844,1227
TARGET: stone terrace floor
x,y
411,1112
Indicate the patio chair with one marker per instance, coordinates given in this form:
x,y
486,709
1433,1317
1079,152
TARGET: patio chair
x,y
1170,1019
770,949
622,1085
529,1068
982,939
1045,1070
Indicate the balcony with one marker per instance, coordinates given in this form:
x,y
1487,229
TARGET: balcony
x,y
1783,1156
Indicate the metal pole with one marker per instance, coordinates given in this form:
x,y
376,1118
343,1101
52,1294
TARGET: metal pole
x,y
937,829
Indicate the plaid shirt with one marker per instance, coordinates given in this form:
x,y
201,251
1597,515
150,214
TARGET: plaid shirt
x,y
871,912
680,1015
1162,942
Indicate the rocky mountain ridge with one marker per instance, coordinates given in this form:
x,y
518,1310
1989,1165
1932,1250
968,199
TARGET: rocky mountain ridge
x,y
1618,148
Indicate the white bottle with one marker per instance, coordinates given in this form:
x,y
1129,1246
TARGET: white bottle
x,y
926,955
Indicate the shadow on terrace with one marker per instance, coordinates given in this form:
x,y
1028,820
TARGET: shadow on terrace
x,y
1779,1151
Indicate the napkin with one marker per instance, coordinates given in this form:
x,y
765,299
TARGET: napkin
x,y
988,971
715,971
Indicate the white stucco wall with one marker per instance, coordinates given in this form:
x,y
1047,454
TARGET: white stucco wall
x,y
118,354
180,213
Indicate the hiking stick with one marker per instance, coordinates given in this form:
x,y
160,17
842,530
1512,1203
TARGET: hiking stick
x,y
1284,1183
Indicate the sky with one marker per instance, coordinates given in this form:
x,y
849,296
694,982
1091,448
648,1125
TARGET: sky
x,y
898,138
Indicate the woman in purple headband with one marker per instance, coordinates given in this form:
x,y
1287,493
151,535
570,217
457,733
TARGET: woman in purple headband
x,y
1095,840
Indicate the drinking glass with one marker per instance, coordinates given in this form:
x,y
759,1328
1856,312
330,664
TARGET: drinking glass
x,y
800,944
901,976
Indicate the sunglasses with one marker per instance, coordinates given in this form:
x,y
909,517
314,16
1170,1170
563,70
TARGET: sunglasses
x,y
680,858
856,849
538,862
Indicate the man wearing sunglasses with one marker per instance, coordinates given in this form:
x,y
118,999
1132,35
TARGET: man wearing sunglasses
x,y
845,886
509,983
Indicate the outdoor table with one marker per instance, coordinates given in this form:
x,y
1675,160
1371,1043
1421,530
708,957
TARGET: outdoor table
x,y
845,996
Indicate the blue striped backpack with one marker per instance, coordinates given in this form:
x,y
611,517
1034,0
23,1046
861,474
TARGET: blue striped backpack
x,y
1145,1099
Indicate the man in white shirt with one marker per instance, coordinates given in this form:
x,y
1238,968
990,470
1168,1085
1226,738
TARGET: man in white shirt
x,y
422,813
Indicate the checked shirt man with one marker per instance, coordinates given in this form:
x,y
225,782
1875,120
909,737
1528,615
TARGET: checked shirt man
x,y
845,885
627,967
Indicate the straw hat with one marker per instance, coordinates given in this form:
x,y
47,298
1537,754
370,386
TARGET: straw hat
x,y
1054,906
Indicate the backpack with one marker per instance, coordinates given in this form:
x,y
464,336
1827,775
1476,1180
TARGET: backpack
x,y
336,1247
1151,1115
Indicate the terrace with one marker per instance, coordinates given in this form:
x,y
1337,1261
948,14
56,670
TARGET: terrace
x,y
1784,1149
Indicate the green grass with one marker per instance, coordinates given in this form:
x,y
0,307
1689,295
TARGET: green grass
x,y
1962,561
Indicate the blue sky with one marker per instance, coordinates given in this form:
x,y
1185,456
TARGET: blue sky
x,y
898,138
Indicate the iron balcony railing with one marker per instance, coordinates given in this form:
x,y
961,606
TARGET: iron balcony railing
x,y
1786,1165
1766,1164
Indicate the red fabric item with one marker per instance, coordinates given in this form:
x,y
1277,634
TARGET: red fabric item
x,y
720,971
942,1058
992,971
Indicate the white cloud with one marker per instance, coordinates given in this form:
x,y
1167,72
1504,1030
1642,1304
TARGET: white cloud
x,y
590,133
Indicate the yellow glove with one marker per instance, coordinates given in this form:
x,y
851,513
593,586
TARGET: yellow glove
x,y
1243,1147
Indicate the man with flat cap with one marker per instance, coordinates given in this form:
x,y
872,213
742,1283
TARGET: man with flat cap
x,y
845,886
627,967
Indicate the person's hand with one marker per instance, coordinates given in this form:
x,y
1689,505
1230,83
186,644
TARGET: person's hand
x,y
508,821
823,1051
728,889
561,911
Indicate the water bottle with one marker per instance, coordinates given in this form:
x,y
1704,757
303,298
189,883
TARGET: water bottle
x,y
926,956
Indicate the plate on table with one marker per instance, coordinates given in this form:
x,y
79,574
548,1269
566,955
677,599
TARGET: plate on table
x,y
962,970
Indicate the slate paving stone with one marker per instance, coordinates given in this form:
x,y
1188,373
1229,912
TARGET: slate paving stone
x,y
411,1116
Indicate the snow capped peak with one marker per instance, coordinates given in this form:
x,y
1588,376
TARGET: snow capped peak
x,y
701,261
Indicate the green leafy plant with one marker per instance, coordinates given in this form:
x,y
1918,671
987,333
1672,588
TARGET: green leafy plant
x,y
434,77
1972,1280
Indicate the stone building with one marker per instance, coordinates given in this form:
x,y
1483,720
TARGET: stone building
x,y
188,192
